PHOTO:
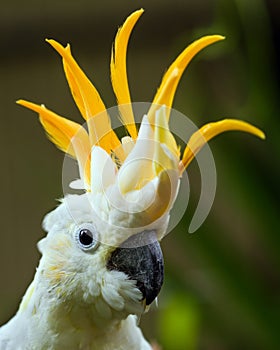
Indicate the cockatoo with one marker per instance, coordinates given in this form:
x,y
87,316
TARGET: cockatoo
x,y
101,263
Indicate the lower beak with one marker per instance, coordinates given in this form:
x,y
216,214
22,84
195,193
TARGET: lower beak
x,y
140,257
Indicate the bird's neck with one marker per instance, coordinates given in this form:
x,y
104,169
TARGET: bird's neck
x,y
71,325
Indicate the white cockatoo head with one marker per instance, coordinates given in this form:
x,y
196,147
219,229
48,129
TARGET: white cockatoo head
x,y
102,247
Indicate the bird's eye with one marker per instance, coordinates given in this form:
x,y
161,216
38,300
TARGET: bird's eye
x,y
87,237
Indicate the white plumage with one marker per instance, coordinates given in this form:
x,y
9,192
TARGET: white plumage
x,y
74,302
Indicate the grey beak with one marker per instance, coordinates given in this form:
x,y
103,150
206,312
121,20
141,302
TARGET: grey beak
x,y
140,257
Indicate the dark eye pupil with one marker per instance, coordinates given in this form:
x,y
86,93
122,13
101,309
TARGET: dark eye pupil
x,y
85,237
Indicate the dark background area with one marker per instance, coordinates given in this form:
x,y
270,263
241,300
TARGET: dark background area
x,y
222,283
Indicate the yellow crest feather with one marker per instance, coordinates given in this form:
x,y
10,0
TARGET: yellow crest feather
x,y
119,72
210,130
88,101
166,92
67,135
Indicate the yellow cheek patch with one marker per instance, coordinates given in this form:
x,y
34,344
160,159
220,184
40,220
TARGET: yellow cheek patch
x,y
27,297
55,274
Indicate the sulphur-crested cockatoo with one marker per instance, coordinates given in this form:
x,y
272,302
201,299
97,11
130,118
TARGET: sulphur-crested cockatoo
x,y
101,262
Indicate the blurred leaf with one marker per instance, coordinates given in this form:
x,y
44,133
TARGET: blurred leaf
x,y
179,323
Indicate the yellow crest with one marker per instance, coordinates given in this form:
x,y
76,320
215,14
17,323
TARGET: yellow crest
x,y
99,142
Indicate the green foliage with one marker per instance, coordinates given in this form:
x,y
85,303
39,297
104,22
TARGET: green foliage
x,y
179,322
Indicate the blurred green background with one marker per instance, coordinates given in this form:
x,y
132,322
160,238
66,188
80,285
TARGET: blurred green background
x,y
222,286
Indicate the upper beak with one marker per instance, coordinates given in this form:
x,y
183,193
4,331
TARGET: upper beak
x,y
140,257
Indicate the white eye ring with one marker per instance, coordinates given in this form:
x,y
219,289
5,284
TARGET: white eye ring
x,y
86,237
